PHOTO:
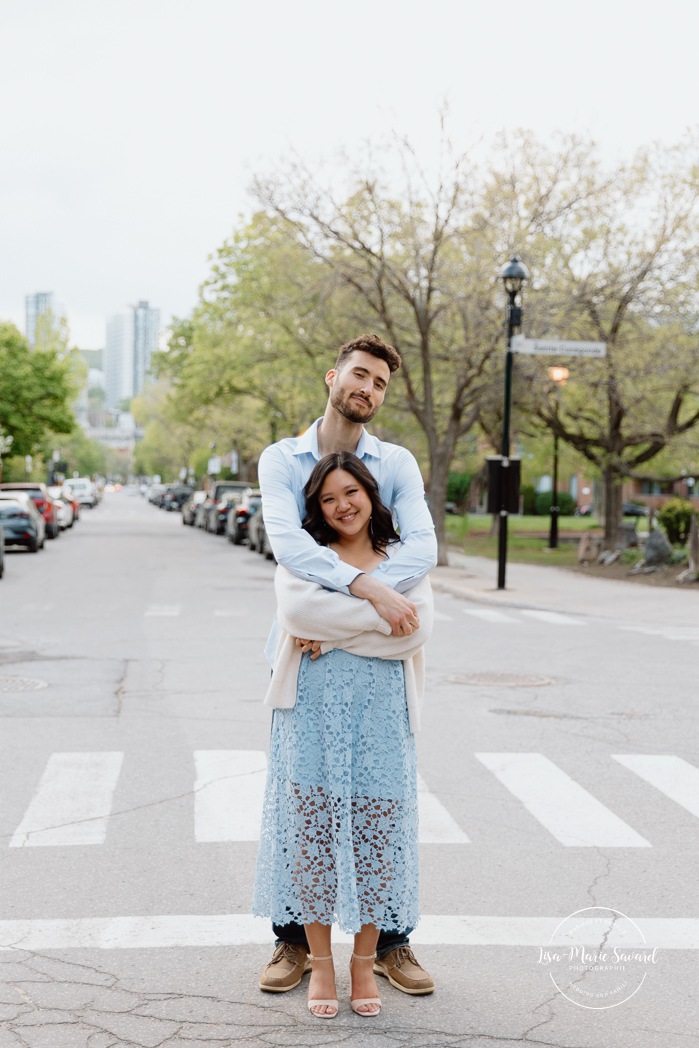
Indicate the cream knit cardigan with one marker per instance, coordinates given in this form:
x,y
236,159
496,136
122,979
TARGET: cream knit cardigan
x,y
306,609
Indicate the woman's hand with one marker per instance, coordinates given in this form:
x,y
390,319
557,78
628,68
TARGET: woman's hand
x,y
399,612
312,646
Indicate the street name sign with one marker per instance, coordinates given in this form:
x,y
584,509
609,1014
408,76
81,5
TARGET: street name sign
x,y
557,347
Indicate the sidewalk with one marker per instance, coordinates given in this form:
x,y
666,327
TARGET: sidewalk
x,y
558,589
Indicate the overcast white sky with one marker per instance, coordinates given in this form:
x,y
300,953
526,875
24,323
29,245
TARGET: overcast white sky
x,y
130,129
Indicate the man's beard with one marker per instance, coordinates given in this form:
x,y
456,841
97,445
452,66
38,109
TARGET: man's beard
x,y
345,407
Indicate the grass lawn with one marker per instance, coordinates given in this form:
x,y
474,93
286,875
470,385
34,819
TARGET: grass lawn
x,y
527,537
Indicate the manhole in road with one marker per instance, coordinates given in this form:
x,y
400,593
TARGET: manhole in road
x,y
22,684
499,680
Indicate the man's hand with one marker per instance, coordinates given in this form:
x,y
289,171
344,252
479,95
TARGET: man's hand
x,y
312,646
397,610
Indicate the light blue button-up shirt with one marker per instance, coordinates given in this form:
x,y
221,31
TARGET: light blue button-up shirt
x,y
284,470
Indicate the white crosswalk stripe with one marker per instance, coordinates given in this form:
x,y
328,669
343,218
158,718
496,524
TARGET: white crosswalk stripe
x,y
515,616
553,618
436,824
229,791
673,776
561,805
72,802
167,931
228,794
489,615
688,634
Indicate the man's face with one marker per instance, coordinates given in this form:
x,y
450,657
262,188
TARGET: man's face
x,y
358,388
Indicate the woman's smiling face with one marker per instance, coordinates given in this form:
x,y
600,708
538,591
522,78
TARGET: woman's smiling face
x,y
345,504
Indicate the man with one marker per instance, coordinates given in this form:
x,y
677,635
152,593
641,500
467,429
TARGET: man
x,y
357,385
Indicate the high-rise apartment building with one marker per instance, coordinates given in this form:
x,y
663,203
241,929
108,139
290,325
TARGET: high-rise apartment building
x,y
118,359
37,305
132,338
145,342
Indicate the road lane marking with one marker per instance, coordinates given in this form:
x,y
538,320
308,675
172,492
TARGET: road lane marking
x,y
228,794
489,615
170,931
673,776
561,805
553,618
72,802
161,611
688,634
436,825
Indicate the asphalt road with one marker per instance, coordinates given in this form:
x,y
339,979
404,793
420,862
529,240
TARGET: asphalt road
x,y
559,762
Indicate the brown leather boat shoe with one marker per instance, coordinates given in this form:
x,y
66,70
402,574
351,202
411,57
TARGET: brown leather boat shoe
x,y
287,968
403,971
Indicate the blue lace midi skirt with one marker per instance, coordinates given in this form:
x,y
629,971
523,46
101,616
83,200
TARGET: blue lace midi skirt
x,y
339,828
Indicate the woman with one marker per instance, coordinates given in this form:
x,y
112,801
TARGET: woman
x,y
339,828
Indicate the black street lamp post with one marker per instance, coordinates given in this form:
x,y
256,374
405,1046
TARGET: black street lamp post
x,y
559,376
553,528
513,276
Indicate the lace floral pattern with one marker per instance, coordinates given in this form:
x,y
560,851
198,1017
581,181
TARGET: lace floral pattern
x,y
339,829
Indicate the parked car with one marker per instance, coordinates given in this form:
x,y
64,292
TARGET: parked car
x,y
237,523
201,513
174,497
218,514
2,551
68,494
154,493
64,507
85,491
218,489
257,534
190,506
633,509
43,502
22,523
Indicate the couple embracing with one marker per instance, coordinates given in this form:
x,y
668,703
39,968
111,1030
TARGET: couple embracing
x,y
348,522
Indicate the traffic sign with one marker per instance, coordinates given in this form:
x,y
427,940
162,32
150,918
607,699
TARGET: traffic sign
x,y
557,347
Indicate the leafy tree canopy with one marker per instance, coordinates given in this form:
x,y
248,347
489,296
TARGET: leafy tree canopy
x,y
612,258
36,388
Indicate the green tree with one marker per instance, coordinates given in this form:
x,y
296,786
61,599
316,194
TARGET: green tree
x,y
627,275
36,389
611,255
422,264
256,336
82,455
167,444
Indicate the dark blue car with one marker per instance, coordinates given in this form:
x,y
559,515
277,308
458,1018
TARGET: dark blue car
x,y
21,522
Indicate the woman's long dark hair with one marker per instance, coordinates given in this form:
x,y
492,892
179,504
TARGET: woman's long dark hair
x,y
381,530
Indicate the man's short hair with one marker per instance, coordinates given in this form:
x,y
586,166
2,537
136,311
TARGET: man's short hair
x,y
370,343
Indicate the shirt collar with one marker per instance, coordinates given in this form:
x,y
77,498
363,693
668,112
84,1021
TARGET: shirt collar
x,y
307,443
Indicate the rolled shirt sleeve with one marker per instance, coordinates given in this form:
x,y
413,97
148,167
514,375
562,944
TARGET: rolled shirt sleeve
x,y
418,550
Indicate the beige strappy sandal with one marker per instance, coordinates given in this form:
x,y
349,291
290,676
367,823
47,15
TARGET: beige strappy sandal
x,y
354,1005
315,1002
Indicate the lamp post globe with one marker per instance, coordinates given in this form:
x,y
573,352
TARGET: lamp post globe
x,y
513,275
